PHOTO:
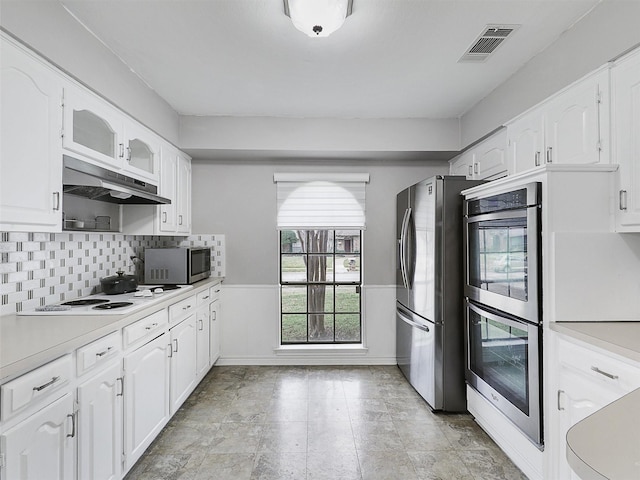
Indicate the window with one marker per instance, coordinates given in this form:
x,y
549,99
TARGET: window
x,y
321,218
320,284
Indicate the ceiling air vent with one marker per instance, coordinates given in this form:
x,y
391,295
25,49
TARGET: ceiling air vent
x,y
492,37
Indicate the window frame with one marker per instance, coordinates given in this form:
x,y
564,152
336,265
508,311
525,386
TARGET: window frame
x,y
333,284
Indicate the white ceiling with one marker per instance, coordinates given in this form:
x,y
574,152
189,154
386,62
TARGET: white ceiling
x,y
391,58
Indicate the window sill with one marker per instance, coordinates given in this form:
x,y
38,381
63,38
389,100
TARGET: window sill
x,y
321,350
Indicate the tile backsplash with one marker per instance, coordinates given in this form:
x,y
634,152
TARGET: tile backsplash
x,y
42,268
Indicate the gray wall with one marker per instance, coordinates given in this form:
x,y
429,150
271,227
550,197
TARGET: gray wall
x,y
50,30
607,31
239,200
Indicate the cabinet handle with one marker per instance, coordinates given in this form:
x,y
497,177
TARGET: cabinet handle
x,y
170,350
128,154
204,298
149,327
179,219
215,316
175,342
104,352
623,200
56,201
475,168
549,155
606,374
560,392
48,384
73,425
187,307
537,159
201,325
218,291
121,154
164,217
470,170
121,394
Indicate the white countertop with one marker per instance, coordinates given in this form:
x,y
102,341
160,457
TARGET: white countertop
x,y
621,338
606,444
29,341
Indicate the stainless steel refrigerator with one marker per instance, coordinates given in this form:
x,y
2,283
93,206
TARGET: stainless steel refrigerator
x,y
429,290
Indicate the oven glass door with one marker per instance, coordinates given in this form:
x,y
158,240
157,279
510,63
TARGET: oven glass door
x,y
503,365
502,261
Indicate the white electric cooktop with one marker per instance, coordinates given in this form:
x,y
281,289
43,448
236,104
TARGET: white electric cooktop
x,y
101,304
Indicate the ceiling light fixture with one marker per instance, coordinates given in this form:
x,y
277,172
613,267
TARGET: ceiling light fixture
x,y
318,18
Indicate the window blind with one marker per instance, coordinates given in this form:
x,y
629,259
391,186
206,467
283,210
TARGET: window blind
x,y
321,201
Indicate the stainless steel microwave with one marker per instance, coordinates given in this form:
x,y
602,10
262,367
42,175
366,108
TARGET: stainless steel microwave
x,y
176,265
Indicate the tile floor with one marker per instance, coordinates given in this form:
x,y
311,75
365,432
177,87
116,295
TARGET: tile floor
x,y
312,423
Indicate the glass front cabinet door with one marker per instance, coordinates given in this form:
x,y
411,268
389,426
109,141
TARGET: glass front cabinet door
x,y
142,152
93,128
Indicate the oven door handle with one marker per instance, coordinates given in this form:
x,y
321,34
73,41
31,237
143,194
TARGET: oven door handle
x,y
503,215
407,320
502,318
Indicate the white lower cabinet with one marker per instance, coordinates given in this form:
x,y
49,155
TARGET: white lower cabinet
x,y
587,380
183,361
203,324
146,387
215,331
43,446
100,425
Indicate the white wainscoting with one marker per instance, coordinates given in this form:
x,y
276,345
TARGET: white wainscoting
x,y
250,330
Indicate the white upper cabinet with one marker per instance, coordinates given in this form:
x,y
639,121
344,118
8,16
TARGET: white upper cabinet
x,y
93,128
625,77
31,147
142,152
490,157
175,183
485,161
526,141
183,203
569,128
463,165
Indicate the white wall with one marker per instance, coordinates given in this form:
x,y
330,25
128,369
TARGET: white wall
x,y
239,199
607,31
48,28
319,134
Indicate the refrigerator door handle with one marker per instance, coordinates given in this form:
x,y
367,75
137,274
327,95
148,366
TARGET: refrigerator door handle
x,y
406,319
403,248
410,258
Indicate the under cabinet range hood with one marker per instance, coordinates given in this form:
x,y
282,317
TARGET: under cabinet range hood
x,y
90,181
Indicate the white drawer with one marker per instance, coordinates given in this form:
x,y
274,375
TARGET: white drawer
x,y
98,352
214,292
145,328
203,297
600,366
183,308
36,386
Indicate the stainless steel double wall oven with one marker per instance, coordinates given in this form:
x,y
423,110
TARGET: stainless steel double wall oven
x,y
503,303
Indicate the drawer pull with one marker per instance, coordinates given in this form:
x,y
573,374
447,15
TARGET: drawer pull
x,y
606,374
187,307
204,298
48,384
104,352
149,327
